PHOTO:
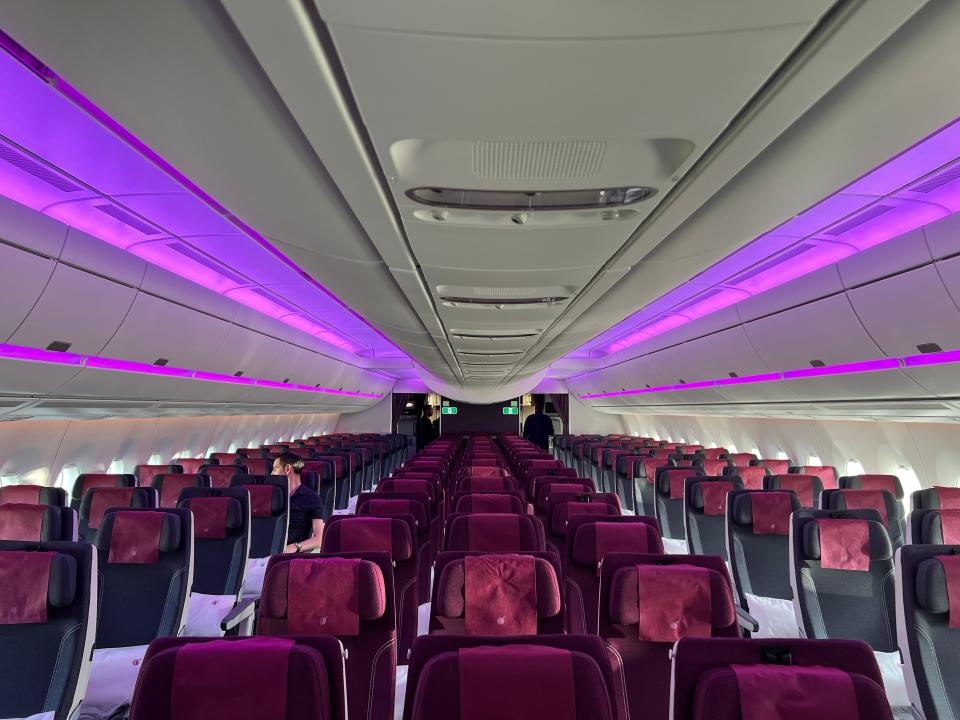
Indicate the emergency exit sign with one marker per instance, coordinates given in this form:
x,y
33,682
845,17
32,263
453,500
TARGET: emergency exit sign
x,y
448,410
511,411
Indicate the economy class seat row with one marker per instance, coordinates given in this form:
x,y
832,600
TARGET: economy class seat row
x,y
538,583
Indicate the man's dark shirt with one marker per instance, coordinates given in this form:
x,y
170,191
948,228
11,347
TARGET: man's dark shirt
x,y
305,507
425,432
537,429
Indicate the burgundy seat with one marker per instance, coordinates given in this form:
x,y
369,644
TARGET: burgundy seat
x,y
88,481
224,458
668,499
497,594
712,467
488,502
883,501
37,523
401,504
33,495
937,497
930,527
221,475
741,458
191,465
589,539
713,453
890,483
562,505
494,532
750,475
96,501
480,471
647,602
773,466
245,678
408,484
646,473
827,474
728,679
705,513
543,486
168,487
258,465
807,488
146,473
487,484
393,535
348,596
510,678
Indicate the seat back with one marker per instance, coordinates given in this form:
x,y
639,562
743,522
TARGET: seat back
x,y
730,679
589,539
426,525
827,474
96,502
393,535
705,513
348,596
494,532
192,465
146,473
269,512
937,497
168,487
647,602
244,678
48,611
883,501
928,625
750,475
430,487
221,537
37,523
668,499
807,488
88,481
842,575
145,569
221,476
472,678
542,488
488,502
774,466
890,483
33,495
758,537
712,467
497,594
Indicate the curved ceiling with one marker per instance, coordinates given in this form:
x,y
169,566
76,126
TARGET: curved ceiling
x,y
314,121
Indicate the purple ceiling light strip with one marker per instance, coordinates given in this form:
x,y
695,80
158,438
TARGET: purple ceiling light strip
x,y
125,229
946,357
28,354
915,188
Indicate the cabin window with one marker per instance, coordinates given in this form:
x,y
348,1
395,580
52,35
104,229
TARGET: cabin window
x,y
756,452
909,480
210,450
814,460
155,459
782,455
854,467
67,477
731,448
117,466
232,448
9,479
183,454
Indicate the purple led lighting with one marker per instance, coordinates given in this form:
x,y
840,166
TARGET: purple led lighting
x,y
28,354
915,188
941,358
95,175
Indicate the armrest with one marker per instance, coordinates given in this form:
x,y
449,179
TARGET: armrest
x,y
747,621
242,612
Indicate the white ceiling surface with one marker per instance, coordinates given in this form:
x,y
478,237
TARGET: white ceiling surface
x,y
268,126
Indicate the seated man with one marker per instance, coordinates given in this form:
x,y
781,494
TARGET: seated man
x,y
306,509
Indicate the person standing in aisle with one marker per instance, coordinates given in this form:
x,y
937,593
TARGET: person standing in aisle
x,y
538,428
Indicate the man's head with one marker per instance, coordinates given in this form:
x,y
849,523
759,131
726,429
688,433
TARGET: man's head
x,y
427,411
538,404
290,465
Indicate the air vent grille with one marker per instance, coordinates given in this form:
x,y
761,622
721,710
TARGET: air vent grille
x,y
127,219
937,181
31,167
208,263
538,160
275,300
858,220
783,257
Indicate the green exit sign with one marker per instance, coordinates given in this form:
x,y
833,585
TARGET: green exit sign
x,y
448,410
511,411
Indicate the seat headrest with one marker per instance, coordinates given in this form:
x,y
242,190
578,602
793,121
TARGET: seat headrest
x,y
266,500
374,505
670,481
409,485
138,536
931,587
213,517
593,540
494,532
545,490
486,502
710,496
169,486
452,593
322,595
221,475
30,581
31,523
625,598
766,512
22,494
890,483
87,481
585,504
97,501
806,487
880,500
849,538
713,467
750,475
354,533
